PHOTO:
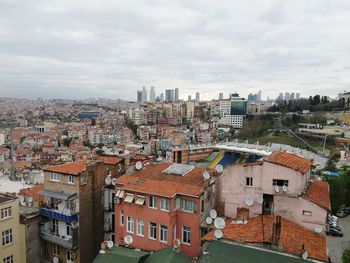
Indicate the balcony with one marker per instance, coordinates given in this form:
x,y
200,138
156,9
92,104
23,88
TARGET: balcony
x,y
59,216
70,243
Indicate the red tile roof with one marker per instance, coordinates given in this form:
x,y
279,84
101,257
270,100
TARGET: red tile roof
x,y
109,159
73,168
293,238
290,160
151,180
33,192
318,193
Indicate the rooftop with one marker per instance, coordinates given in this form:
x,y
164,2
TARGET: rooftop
x,y
73,168
5,198
33,191
318,193
110,159
121,254
290,160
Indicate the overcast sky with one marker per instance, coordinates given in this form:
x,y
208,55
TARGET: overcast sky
x,y
81,49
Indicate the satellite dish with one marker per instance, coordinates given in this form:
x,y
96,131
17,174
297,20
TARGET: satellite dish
x,y
206,175
249,201
108,180
209,220
128,239
126,152
110,243
55,260
284,188
102,251
29,199
305,255
176,243
23,203
218,234
138,165
318,229
213,214
219,168
114,181
277,188
219,223
260,199
21,198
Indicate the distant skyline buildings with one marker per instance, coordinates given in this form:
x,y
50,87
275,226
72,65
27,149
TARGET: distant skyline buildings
x,y
197,96
152,95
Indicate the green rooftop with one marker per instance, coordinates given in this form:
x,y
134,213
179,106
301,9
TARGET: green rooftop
x,y
121,254
168,255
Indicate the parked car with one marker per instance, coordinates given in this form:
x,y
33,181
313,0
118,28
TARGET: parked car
x,y
341,213
334,232
333,218
335,227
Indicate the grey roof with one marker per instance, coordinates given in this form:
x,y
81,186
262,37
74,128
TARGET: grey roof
x,y
58,195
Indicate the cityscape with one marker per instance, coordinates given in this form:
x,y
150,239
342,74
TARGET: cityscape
x,y
174,132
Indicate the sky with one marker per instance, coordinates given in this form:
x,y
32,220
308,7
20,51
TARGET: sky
x,y
98,48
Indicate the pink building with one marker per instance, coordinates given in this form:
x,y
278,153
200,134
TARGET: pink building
x,y
280,184
161,203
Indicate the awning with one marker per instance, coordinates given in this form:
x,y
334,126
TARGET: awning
x,y
120,193
129,198
140,200
58,195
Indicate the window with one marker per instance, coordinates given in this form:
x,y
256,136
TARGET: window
x,y
279,182
71,179
55,250
7,237
6,212
70,255
186,235
55,177
152,202
55,226
249,181
69,229
152,230
163,235
83,179
164,204
130,225
187,205
140,231
140,200
307,213
121,218
129,198
202,206
8,259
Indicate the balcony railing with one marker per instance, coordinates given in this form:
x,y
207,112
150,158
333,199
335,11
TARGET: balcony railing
x,y
70,243
59,216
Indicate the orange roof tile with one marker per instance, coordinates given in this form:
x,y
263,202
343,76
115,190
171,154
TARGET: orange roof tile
x,y
318,193
293,238
289,160
109,159
33,192
151,180
73,168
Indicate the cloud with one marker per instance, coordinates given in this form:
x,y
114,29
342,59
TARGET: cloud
x,y
79,49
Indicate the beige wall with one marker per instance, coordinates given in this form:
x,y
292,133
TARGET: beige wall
x,y
15,249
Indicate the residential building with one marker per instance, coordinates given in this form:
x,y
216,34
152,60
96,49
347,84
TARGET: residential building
x,y
280,184
72,212
164,202
10,249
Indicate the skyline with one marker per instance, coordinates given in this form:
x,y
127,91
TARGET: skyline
x,y
78,50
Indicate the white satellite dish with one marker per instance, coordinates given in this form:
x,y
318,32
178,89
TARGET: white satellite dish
x,y
176,243
126,152
110,243
114,181
219,168
29,199
260,199
213,214
138,165
128,239
206,175
284,188
108,180
277,188
209,220
21,198
218,234
23,203
219,223
55,260
249,200
318,229
102,251
305,255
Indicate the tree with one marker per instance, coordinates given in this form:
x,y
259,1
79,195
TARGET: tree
x,y
346,256
67,141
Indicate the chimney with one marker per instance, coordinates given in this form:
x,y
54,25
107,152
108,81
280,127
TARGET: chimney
x,y
276,230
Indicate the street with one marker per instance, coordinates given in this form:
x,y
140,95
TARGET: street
x,y
336,245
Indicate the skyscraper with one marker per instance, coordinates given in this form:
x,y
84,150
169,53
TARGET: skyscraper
x,y
152,95
221,96
139,95
297,96
144,94
292,96
287,96
169,95
258,96
189,98
161,97
197,96
176,94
